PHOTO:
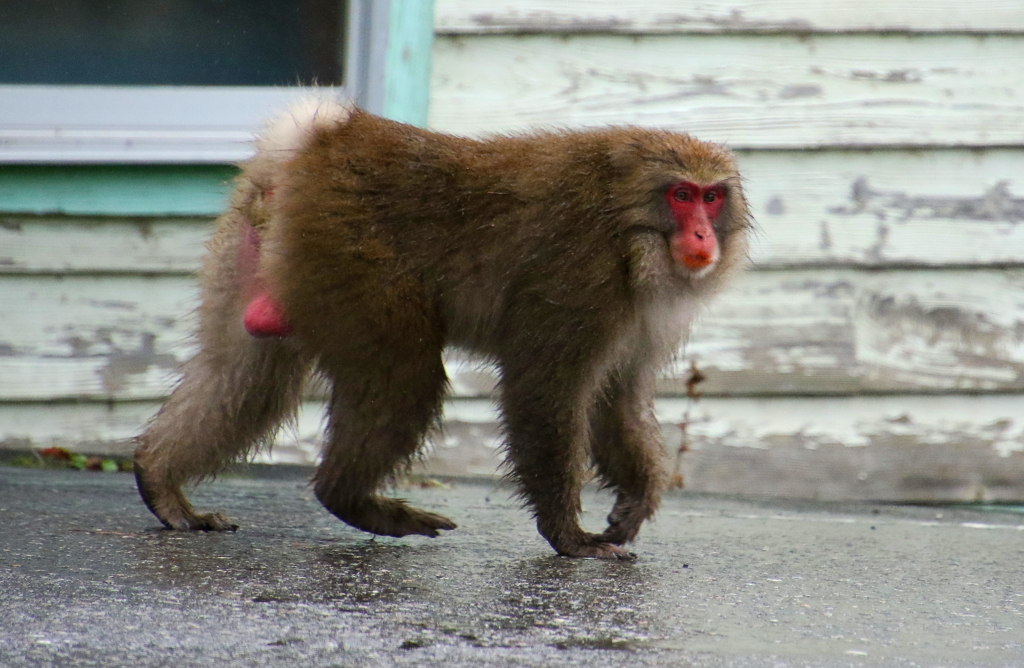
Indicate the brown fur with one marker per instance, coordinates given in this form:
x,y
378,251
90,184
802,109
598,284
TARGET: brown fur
x,y
547,253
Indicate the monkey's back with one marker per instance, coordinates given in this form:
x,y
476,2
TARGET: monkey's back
x,y
371,205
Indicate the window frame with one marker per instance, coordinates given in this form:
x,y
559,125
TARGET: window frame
x,y
178,124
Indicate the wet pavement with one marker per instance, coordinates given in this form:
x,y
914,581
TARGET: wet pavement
x,y
88,578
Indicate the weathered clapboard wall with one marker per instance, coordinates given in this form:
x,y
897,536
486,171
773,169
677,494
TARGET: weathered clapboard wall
x,y
875,351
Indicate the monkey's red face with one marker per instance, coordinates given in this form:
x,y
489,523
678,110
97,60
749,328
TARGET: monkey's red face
x,y
695,208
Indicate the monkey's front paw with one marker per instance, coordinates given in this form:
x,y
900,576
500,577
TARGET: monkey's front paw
x,y
620,533
207,522
595,548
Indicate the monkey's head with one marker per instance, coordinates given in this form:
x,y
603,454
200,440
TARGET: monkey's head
x,y
689,191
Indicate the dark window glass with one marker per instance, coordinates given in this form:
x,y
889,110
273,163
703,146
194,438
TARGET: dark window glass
x,y
172,42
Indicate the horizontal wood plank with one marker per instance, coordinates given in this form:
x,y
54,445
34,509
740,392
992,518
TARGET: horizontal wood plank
x,y
921,448
814,208
848,331
93,336
787,331
770,91
884,208
914,448
30,244
723,16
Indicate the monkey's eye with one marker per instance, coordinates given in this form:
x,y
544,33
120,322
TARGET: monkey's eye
x,y
710,196
681,195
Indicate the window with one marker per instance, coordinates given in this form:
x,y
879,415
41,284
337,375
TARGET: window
x,y
172,80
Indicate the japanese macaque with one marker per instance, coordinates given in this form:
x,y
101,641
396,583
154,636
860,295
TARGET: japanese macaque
x,y
360,247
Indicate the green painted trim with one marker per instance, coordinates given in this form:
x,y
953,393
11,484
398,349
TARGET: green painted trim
x,y
1001,508
407,61
115,190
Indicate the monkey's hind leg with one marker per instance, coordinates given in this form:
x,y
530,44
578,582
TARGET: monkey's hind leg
x,y
223,406
233,395
389,380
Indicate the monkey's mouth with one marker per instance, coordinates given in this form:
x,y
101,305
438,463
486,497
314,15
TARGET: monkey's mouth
x,y
699,265
698,261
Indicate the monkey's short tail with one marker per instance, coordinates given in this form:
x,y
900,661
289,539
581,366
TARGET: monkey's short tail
x,y
290,131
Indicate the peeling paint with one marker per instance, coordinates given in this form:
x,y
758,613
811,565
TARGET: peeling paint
x,y
963,326
80,347
795,91
776,206
995,204
549,21
876,250
909,75
825,240
115,304
735,20
122,365
144,227
545,21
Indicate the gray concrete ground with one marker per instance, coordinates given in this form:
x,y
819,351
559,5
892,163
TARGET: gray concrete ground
x,y
88,578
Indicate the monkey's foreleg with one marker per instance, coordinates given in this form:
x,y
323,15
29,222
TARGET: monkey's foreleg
x,y
629,454
547,435
386,396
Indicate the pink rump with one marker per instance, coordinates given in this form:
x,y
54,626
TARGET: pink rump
x,y
263,318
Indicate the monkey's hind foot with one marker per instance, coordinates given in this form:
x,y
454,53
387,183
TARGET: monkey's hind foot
x,y
389,517
172,508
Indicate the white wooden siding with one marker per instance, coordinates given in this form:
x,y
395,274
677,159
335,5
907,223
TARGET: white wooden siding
x,y
763,91
93,336
717,16
873,208
33,244
886,208
875,351
778,332
899,448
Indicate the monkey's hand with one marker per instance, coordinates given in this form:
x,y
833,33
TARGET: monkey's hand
x,y
626,517
577,543
595,547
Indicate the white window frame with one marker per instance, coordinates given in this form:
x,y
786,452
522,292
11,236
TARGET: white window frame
x,y
175,124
